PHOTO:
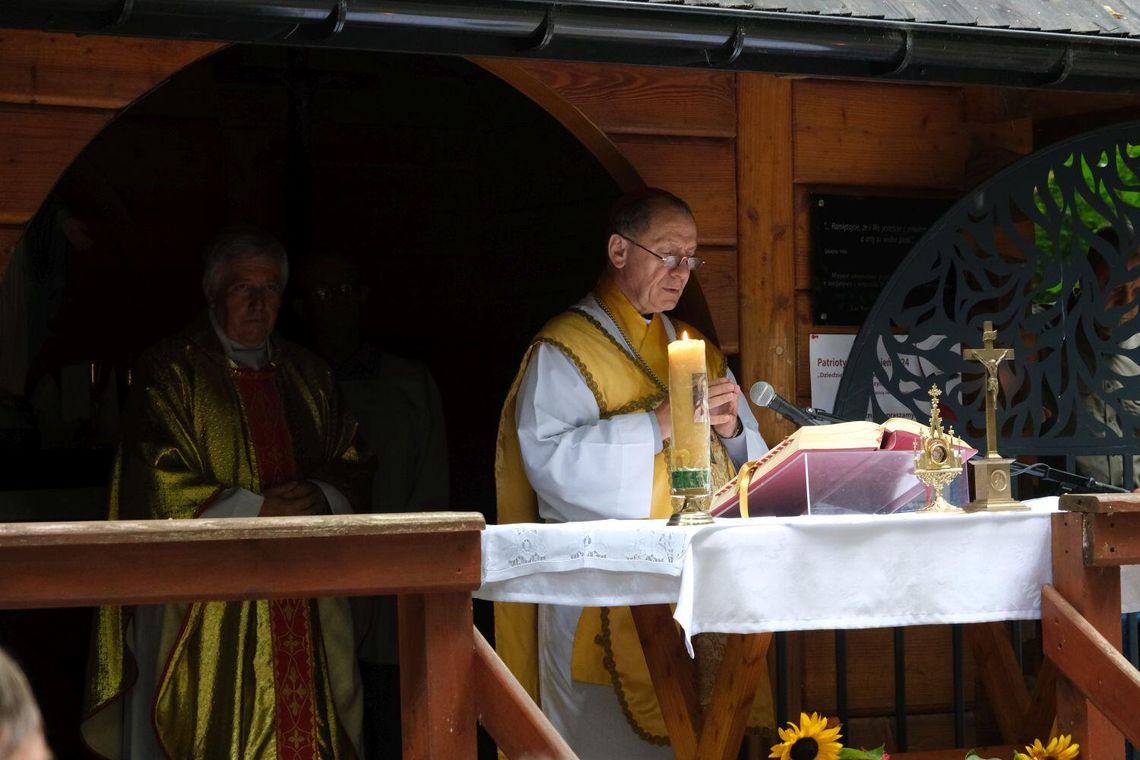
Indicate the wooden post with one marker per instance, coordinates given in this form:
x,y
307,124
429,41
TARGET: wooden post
x,y
718,735
671,671
1001,677
765,224
437,654
1095,593
745,660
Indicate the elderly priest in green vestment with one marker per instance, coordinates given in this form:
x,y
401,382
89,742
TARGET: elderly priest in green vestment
x,y
228,420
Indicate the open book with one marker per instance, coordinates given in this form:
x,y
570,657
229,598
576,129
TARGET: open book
x,y
847,467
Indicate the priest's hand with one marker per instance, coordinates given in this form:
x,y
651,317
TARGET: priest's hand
x,y
297,497
724,399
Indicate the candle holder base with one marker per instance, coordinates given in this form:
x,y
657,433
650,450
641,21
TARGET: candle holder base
x,y
690,509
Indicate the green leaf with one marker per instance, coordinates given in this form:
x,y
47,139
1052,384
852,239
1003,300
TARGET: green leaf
x,y
850,753
973,755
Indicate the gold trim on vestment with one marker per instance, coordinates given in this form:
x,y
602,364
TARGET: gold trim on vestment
x,y
605,641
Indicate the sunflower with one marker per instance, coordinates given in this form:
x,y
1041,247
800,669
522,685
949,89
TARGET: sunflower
x,y
811,740
1058,748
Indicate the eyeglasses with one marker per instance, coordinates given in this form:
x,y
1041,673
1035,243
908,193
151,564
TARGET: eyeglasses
x,y
672,260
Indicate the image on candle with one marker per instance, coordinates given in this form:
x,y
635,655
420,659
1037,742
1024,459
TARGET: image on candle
x,y
700,397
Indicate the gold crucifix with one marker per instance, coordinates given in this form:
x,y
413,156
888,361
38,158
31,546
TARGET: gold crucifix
x,y
990,358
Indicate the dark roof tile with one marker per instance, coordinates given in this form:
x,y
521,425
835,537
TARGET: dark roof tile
x,y
1117,18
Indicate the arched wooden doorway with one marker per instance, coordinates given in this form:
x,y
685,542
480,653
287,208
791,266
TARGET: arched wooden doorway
x,y
161,147
465,264
62,92
119,72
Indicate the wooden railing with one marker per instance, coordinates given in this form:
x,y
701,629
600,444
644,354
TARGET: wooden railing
x,y
1098,690
449,676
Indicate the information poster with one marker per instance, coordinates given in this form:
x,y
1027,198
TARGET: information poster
x,y
856,245
828,355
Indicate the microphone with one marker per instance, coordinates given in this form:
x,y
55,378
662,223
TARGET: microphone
x,y
763,394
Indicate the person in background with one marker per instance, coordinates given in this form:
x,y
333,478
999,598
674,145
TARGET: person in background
x,y
398,406
227,419
21,728
1120,277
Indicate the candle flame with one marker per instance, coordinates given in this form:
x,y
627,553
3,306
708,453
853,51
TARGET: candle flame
x,y
684,335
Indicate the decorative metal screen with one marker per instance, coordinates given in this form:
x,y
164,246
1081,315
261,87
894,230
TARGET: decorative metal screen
x,y
1047,250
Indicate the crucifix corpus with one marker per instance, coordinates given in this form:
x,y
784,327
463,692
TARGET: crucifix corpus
x,y
991,474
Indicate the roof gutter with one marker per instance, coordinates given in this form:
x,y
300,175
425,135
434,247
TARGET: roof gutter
x,y
621,32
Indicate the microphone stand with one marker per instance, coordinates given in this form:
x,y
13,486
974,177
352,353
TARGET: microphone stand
x,y
1069,482
823,418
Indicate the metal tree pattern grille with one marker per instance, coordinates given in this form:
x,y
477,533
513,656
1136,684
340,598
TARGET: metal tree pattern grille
x,y
1045,250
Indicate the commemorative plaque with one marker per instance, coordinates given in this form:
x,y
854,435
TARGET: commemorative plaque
x,y
857,243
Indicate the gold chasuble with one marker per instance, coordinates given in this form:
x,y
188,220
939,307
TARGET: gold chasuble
x,y
606,647
274,680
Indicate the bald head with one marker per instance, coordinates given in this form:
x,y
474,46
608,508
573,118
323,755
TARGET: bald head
x,y
633,213
652,240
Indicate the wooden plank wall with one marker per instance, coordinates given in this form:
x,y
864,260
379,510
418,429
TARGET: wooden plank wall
x,y
57,92
884,139
677,129
745,150
864,138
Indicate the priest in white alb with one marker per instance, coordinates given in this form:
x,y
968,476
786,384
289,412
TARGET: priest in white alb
x,y
584,435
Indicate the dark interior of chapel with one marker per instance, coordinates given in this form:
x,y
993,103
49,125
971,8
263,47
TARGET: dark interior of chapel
x,y
472,214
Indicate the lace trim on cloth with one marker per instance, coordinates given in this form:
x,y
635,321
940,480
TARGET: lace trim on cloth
x,y
516,550
606,642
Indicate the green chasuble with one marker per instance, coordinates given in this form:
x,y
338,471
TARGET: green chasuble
x,y
257,679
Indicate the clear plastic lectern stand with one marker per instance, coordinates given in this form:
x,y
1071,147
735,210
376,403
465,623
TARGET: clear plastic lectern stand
x,y
847,482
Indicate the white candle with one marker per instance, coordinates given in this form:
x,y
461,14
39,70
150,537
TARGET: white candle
x,y
689,410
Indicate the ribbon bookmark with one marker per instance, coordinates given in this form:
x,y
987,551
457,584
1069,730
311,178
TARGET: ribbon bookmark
x,y
744,479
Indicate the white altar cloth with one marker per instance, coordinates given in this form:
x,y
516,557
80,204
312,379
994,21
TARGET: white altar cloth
x,y
790,573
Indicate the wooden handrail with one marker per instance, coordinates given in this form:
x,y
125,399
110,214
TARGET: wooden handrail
x,y
1097,688
153,561
1100,503
432,561
1091,663
509,714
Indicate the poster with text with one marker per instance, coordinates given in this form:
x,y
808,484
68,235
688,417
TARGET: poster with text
x,y
827,357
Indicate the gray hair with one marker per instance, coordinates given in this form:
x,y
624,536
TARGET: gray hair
x,y
236,246
19,715
632,213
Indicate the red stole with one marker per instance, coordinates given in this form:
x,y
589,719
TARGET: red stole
x,y
290,619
